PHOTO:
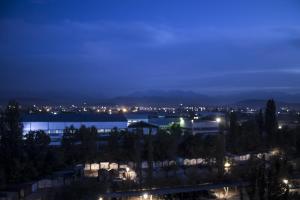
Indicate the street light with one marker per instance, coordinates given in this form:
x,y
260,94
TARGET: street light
x,y
227,166
285,181
127,175
181,122
218,120
145,196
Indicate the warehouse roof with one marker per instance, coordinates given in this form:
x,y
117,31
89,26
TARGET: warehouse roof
x,y
142,125
74,117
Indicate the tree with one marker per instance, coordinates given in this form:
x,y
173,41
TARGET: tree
x,y
261,182
220,152
113,148
260,122
2,164
69,145
249,139
87,138
36,150
232,136
138,149
149,140
128,142
271,123
11,144
192,146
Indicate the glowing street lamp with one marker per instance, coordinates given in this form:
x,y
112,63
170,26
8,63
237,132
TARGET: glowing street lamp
x,y
181,122
285,181
227,166
218,120
145,196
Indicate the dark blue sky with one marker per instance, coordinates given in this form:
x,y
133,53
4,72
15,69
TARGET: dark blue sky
x,y
116,47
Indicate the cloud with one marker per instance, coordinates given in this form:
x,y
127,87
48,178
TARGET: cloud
x,y
158,56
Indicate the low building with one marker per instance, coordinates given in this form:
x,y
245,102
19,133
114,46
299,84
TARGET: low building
x,y
137,117
205,127
54,125
144,127
200,126
164,122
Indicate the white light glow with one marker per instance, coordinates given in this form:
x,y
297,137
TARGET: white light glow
x,y
227,165
218,120
145,196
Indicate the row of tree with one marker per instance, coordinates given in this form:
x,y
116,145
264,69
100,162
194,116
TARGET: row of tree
x,y
260,133
24,158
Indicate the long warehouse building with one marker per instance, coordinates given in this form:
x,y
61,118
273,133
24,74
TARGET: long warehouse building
x,y
54,125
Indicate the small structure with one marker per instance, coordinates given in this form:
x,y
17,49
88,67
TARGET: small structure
x,y
146,128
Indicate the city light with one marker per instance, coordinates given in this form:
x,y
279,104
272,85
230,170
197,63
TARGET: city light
x,y
218,120
227,165
100,198
145,196
181,122
285,181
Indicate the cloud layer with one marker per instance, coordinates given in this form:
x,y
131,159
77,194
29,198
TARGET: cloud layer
x,y
111,57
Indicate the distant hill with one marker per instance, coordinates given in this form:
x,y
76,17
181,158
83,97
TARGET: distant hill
x,y
167,98
258,103
161,98
177,97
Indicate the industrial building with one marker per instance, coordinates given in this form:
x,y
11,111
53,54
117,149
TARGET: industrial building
x,y
54,124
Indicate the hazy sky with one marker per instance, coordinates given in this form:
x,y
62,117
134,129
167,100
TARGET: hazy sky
x,y
115,47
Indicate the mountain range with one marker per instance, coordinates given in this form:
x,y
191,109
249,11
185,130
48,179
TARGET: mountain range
x,y
169,98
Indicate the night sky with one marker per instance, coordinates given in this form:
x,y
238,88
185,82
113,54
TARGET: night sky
x,y
117,47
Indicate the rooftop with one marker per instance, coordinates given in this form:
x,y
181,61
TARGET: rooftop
x,y
73,117
142,125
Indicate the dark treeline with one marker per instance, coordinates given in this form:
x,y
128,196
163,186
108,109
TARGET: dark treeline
x,y
84,146
268,179
261,133
23,158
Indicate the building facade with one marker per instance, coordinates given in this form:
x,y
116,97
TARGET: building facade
x,y
54,125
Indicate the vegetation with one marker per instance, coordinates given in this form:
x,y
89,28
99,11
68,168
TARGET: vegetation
x,y
23,159
29,157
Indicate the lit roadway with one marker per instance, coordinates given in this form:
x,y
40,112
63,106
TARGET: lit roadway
x,y
172,190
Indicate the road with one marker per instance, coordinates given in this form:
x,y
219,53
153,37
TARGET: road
x,y
172,190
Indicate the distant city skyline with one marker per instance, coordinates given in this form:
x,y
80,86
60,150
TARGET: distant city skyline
x,y
99,49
